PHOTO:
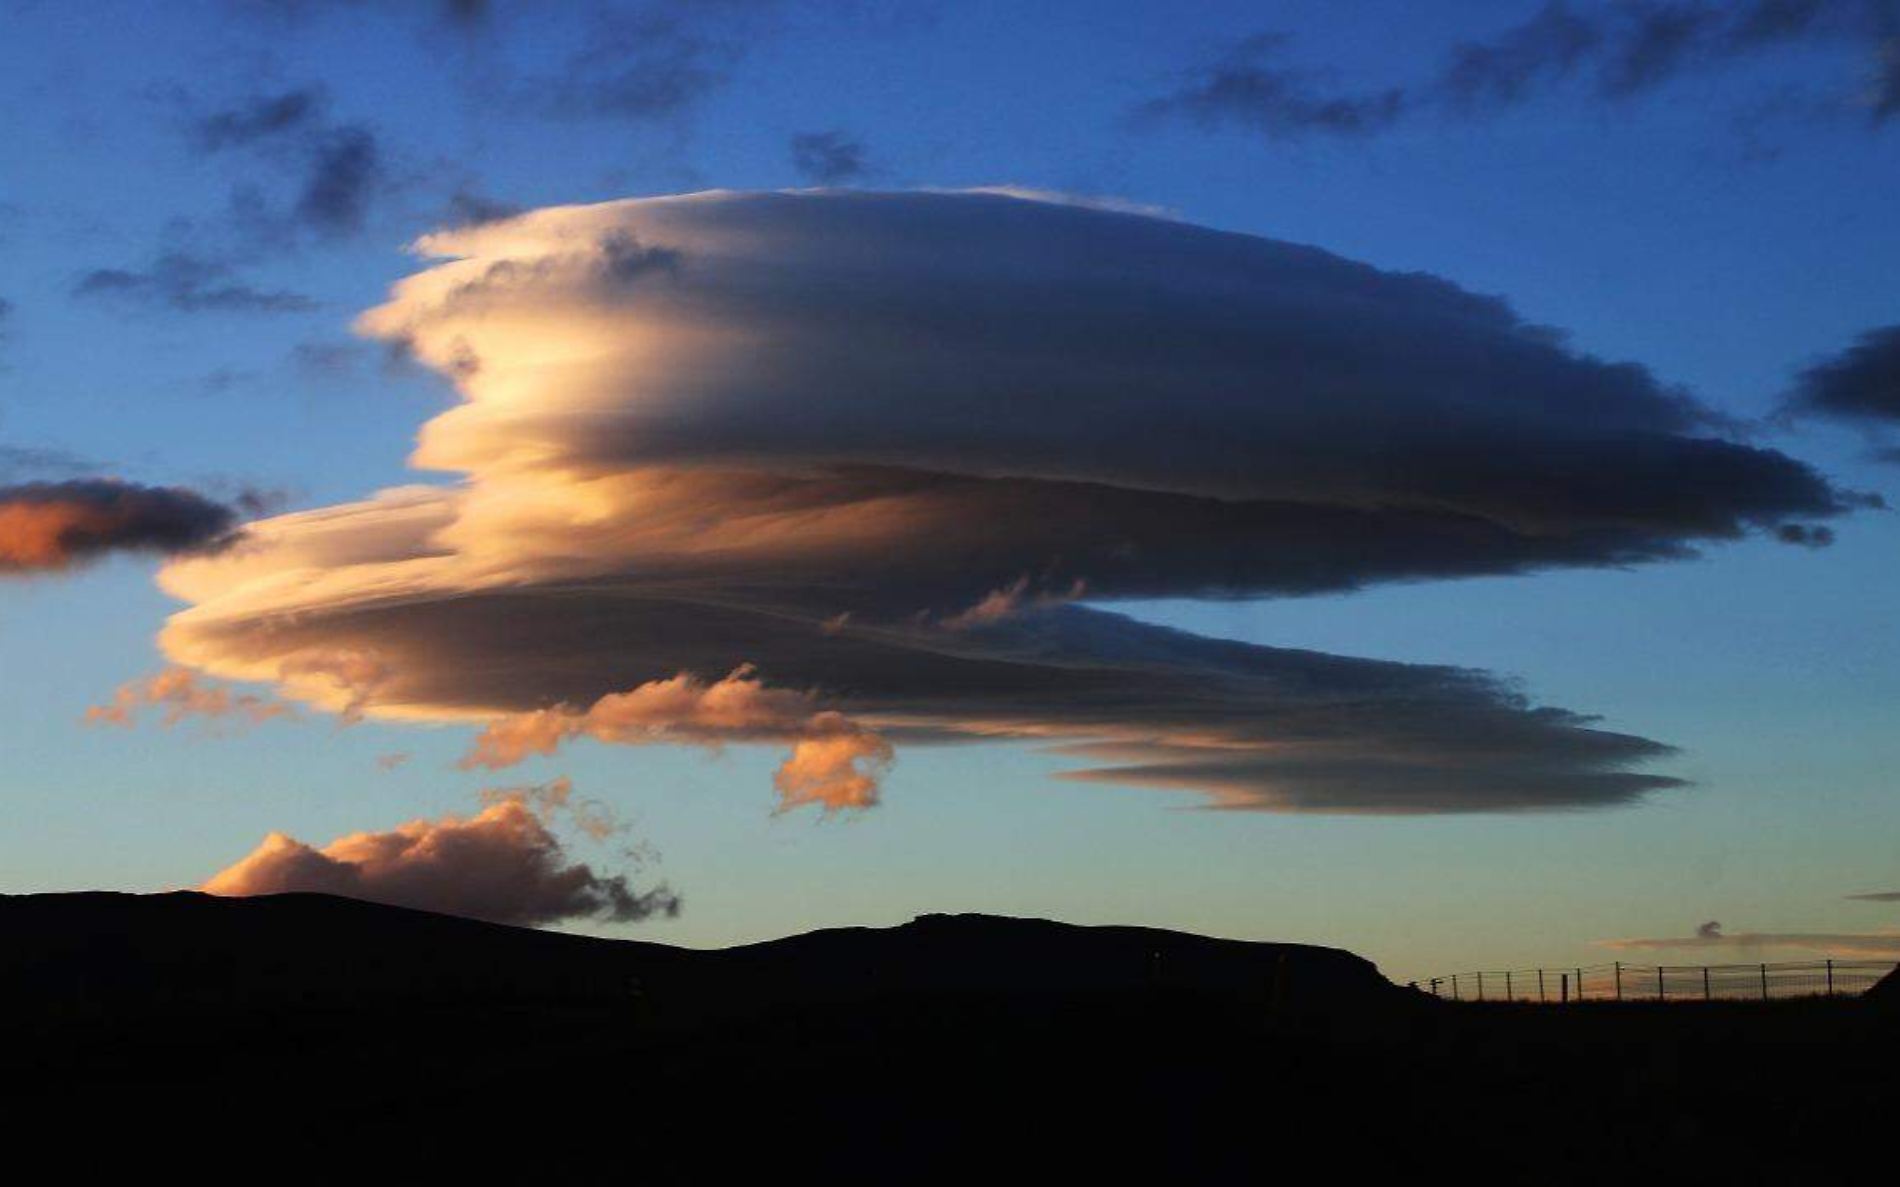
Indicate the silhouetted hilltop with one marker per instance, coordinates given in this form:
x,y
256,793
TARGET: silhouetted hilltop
x,y
144,953
1886,993
306,1033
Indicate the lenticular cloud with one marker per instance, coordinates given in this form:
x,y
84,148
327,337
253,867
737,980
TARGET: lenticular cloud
x,y
882,459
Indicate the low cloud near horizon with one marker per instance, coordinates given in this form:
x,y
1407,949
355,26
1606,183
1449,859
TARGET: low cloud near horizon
x,y
867,449
504,864
1877,944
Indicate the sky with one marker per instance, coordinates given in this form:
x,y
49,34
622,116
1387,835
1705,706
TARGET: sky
x,y
1412,478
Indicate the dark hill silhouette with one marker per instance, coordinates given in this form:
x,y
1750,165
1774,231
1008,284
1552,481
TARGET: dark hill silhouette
x,y
186,951
301,1037
1886,992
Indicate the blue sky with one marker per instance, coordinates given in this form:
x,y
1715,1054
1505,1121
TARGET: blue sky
x,y
1725,227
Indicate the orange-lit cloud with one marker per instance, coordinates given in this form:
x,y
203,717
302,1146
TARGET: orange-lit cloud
x,y
808,432
502,864
178,694
834,762
49,526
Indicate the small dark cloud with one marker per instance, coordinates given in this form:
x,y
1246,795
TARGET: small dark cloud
x,y
326,359
460,14
1860,384
19,461
828,158
469,208
50,526
259,118
1805,535
649,61
1625,49
1879,896
1658,42
1246,86
346,167
1511,66
188,283
340,166
1711,930
1885,102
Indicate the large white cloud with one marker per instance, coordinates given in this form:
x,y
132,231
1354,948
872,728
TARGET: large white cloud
x,y
871,444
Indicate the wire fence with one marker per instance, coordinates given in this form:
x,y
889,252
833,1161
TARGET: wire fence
x,y
1649,982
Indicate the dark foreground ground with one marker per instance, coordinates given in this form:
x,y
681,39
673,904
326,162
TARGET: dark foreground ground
x,y
304,1038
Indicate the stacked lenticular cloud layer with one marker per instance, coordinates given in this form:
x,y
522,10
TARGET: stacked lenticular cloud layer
x,y
838,471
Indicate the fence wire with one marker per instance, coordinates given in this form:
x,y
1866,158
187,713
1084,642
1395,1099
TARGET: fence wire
x,y
1618,981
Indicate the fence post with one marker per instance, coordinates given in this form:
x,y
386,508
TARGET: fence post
x,y
1705,984
1619,980
1579,984
1480,986
1764,982
1508,995
1563,981
1454,988
1540,985
1830,978
1662,991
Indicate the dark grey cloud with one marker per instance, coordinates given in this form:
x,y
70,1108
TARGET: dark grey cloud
x,y
49,526
259,118
1805,535
468,207
1510,67
17,461
189,283
464,15
885,473
1881,896
1247,86
1621,50
346,167
340,166
649,59
1861,384
828,158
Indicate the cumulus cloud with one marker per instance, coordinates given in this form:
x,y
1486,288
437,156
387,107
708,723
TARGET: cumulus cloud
x,y
855,450
503,864
51,526
1616,51
18,461
1876,944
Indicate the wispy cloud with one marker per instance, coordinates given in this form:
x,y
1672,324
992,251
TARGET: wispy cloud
x,y
1874,944
1613,52
189,283
828,158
